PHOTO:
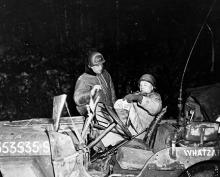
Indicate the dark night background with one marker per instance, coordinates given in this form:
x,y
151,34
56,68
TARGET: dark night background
x,y
43,44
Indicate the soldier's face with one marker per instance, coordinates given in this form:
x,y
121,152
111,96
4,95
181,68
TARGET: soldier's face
x,y
146,87
97,68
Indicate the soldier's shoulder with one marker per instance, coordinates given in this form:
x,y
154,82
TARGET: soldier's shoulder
x,y
105,72
155,95
85,76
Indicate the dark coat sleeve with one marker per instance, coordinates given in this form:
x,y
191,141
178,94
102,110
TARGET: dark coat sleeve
x,y
112,90
82,92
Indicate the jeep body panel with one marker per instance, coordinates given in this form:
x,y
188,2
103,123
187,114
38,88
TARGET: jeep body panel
x,y
174,160
35,150
24,152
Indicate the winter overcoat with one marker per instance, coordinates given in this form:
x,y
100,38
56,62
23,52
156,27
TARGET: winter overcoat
x,y
84,85
139,114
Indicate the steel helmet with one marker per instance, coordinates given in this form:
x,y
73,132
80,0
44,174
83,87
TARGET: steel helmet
x,y
95,58
148,78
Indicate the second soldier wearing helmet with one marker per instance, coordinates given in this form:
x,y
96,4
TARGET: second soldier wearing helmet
x,y
138,110
95,82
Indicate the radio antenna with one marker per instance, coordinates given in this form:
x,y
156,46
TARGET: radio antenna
x,y
180,104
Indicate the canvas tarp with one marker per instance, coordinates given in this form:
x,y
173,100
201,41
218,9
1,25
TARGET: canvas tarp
x,y
205,101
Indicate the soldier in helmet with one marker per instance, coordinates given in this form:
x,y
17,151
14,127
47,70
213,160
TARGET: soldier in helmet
x,y
96,81
138,110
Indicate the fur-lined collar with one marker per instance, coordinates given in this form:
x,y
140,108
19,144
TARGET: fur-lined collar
x,y
89,71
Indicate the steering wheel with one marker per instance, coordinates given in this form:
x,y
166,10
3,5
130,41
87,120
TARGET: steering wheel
x,y
118,121
114,120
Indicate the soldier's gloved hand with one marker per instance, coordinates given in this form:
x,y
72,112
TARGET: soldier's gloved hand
x,y
95,89
133,98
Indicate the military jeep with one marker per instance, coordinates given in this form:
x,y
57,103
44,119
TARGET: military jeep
x,y
64,147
